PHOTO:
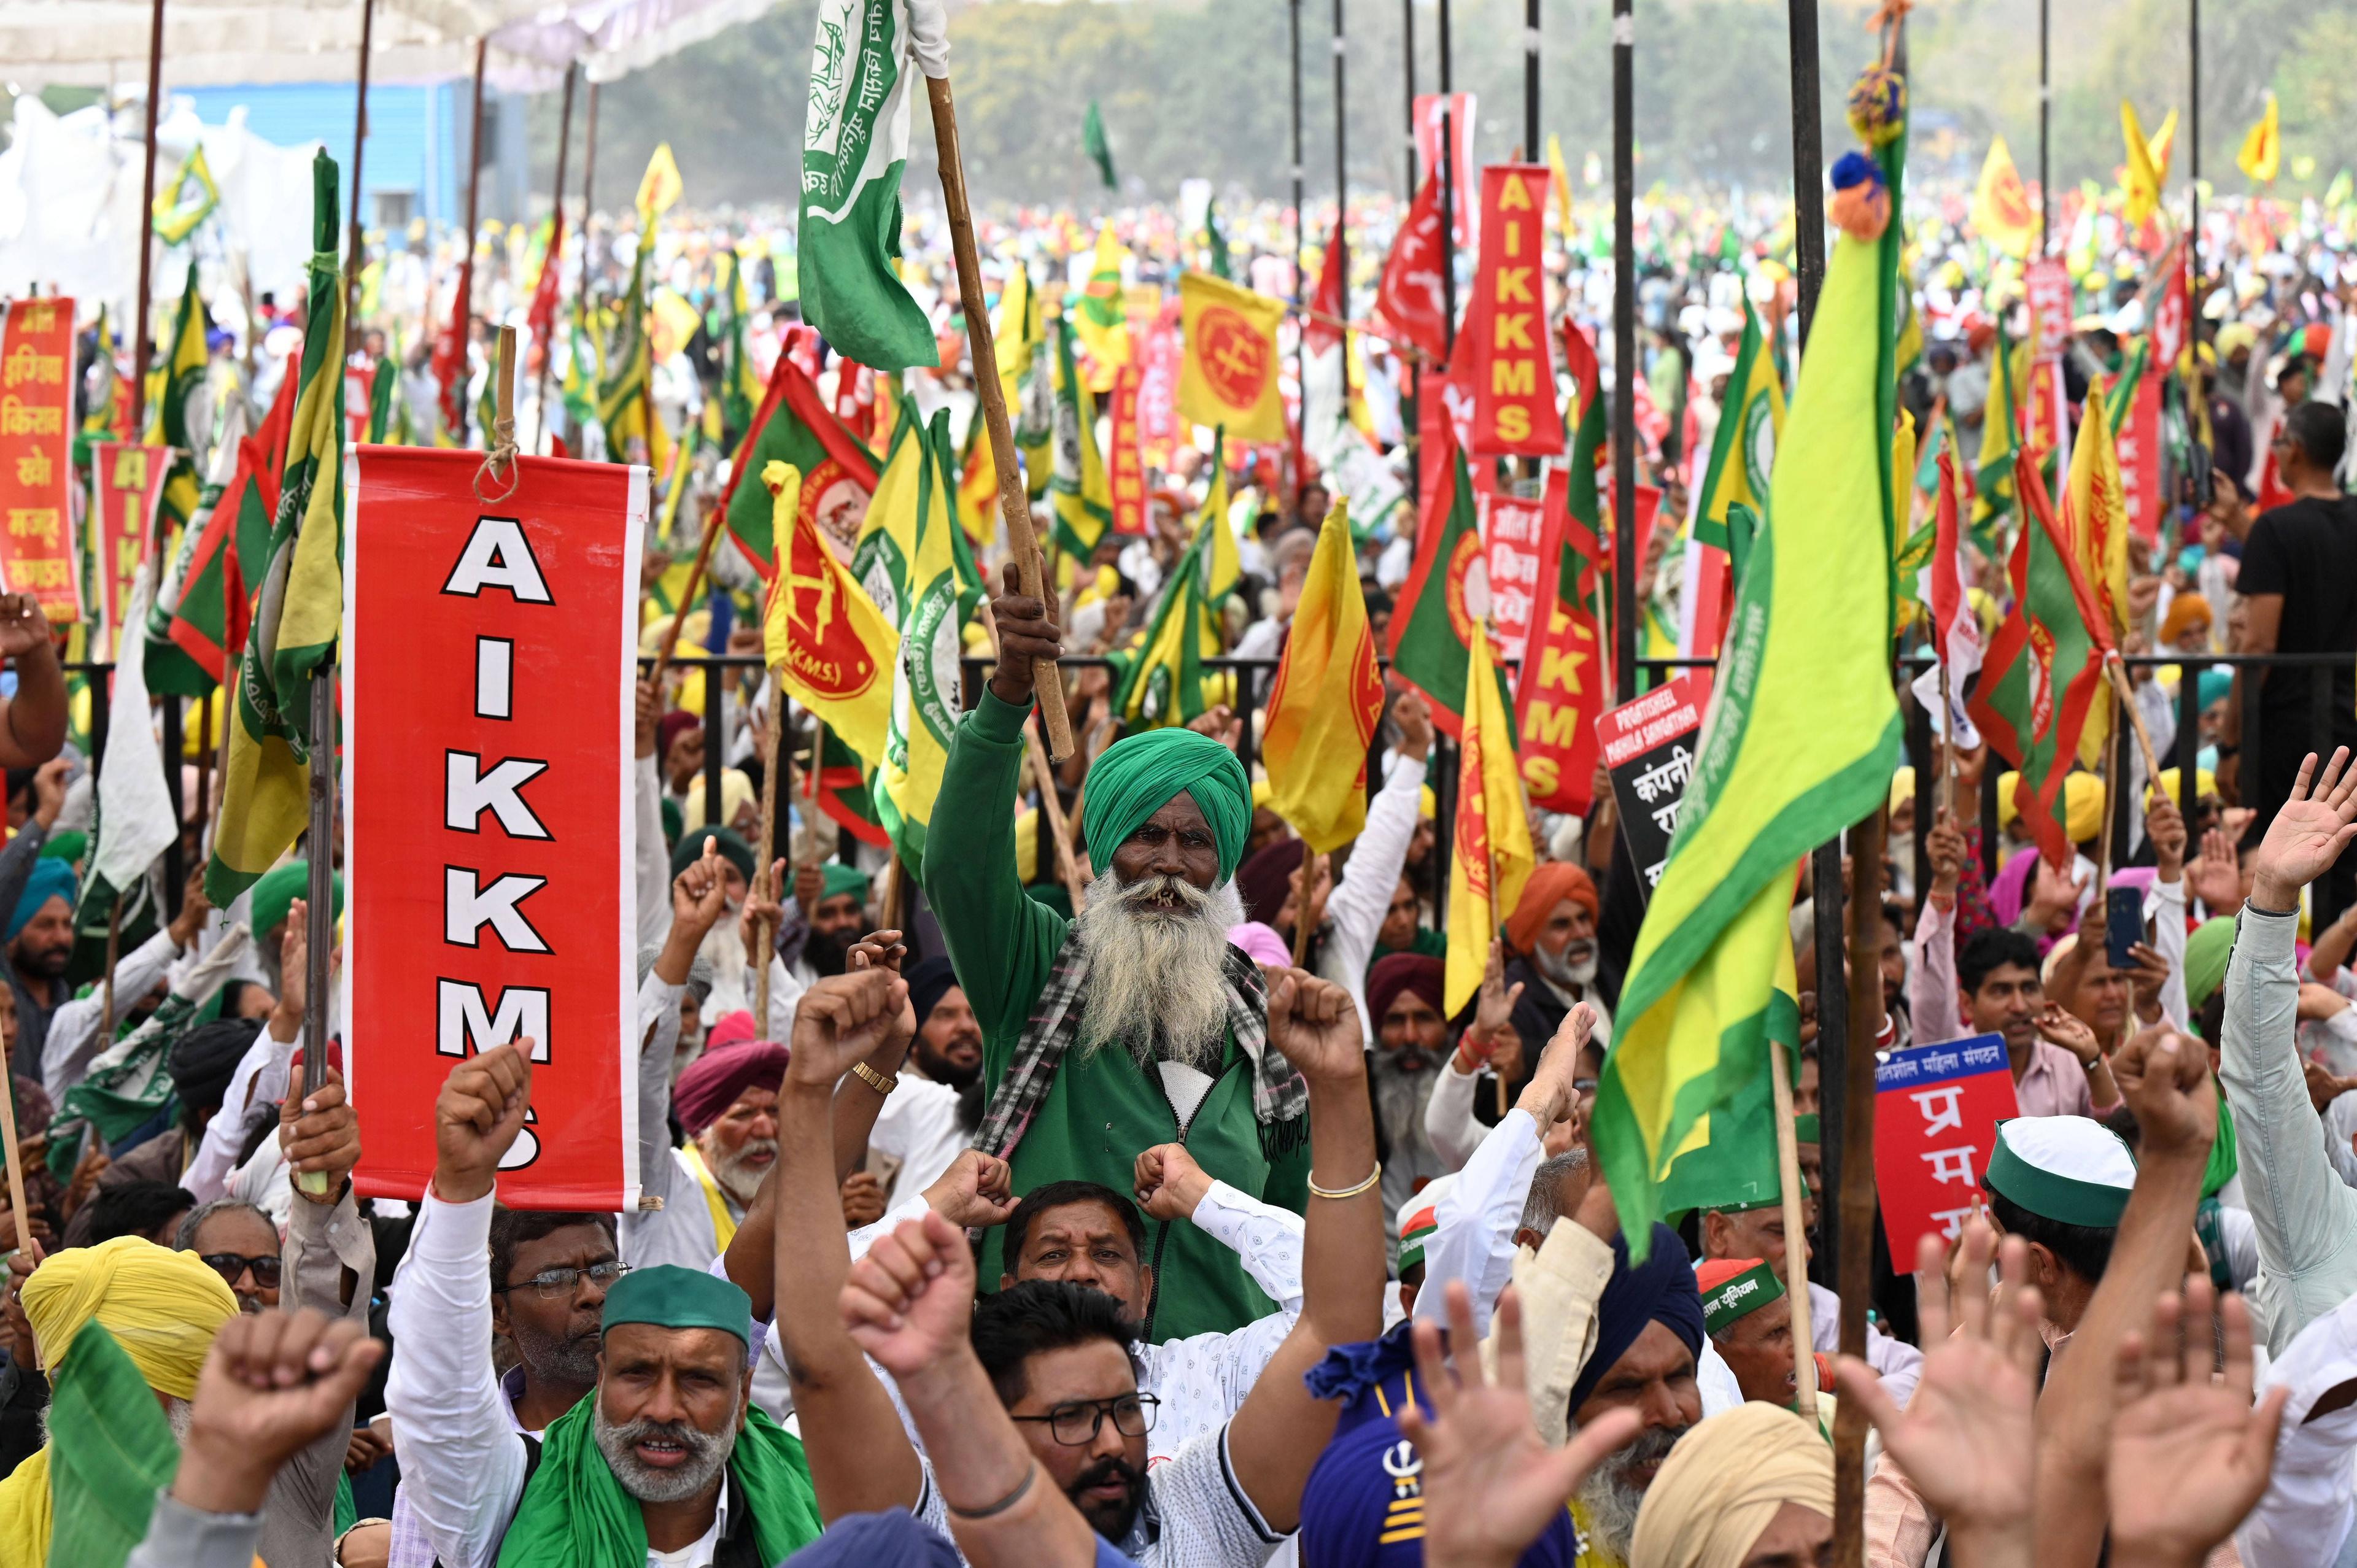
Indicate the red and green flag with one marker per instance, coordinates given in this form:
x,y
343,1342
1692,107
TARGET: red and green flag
x,y
2045,668
1431,633
794,426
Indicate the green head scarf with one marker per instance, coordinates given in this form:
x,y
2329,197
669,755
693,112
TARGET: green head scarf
x,y
2206,952
67,847
1137,775
669,1296
732,849
836,878
275,894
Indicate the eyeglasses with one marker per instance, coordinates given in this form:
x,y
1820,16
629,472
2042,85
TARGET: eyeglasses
x,y
1076,1426
550,1284
230,1265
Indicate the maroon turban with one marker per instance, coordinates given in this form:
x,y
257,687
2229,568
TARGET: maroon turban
x,y
1403,972
716,1078
1264,881
671,726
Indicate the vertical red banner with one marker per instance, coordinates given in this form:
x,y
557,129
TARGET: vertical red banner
x,y
1505,356
1511,546
488,665
2139,450
1158,388
36,547
1124,458
1563,685
126,483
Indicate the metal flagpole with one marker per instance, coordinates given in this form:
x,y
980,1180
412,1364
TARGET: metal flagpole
x,y
146,228
2193,162
2045,113
588,185
1448,192
1407,53
1342,176
355,251
1531,148
1624,351
1300,225
555,259
1808,161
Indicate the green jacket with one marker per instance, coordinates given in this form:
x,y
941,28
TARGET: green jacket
x,y
1103,1110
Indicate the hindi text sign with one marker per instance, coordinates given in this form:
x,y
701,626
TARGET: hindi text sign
x,y
1935,1113
37,388
1648,745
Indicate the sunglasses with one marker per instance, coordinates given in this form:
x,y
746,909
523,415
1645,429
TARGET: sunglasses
x,y
230,1265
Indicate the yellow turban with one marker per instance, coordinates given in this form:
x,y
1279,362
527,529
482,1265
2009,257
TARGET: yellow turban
x,y
163,1307
736,794
2083,807
1902,786
2007,808
2204,783
1723,1482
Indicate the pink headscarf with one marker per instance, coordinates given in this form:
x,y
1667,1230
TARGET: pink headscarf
x,y
1261,944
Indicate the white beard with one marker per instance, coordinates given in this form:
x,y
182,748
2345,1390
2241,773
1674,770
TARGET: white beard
x,y
1155,982
723,950
1561,972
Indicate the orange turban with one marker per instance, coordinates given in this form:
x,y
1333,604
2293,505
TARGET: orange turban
x,y
1550,884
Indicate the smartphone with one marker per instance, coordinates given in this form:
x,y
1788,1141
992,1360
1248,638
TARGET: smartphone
x,y
2123,924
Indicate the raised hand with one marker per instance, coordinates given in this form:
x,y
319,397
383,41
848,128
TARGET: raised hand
x,y
1551,1095
2166,827
1170,1182
319,1135
1490,1485
1945,846
2191,1455
2150,973
476,1118
976,1191
646,720
1414,717
878,949
2310,830
2062,1027
910,1300
839,1021
863,1199
49,790
2053,894
23,626
2216,878
1027,632
275,1383
1966,1437
699,895
1493,1006
2165,1078
1313,1025
759,919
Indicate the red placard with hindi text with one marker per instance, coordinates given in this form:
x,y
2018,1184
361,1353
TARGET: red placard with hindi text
x,y
488,668
1512,538
1126,458
2139,450
127,484
37,388
1935,1113
1504,355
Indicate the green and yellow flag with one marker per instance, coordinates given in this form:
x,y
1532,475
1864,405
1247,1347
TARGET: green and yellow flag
x,y
173,388
1222,565
265,785
1163,683
1104,323
740,382
1080,492
1750,422
1801,740
626,399
2000,439
192,197
920,553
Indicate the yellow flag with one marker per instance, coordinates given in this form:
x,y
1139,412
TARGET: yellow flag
x,y
2148,163
659,186
1103,320
1228,375
2095,515
1323,708
820,633
1559,183
1013,332
936,591
1492,856
2001,213
1222,566
2262,154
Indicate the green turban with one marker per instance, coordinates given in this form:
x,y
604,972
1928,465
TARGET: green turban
x,y
2206,952
835,878
1137,775
669,1296
275,894
66,846
733,849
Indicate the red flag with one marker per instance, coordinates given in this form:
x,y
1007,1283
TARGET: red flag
x,y
1329,303
449,363
541,319
1505,358
1409,299
2169,314
1565,683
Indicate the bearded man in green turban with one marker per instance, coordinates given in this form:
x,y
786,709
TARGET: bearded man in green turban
x,y
1133,1025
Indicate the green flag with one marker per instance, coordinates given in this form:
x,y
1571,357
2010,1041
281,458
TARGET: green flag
x,y
1080,493
854,143
794,426
265,788
177,416
1093,143
111,1454
1801,740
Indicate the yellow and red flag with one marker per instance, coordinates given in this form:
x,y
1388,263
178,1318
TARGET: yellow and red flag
x,y
2262,155
1227,374
2146,168
1493,856
2001,213
821,632
1323,709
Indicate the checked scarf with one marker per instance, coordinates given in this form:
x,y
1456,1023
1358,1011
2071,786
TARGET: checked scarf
x,y
1280,1098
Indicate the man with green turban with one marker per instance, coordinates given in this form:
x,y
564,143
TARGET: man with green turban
x,y
1135,1024
665,1460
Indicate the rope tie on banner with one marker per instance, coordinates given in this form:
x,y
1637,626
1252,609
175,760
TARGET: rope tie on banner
x,y
499,462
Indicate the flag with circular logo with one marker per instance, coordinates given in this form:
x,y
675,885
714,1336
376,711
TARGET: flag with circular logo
x,y
1228,375
821,632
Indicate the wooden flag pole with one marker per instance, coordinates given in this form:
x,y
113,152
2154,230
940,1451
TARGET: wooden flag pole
x,y
555,259
1796,1272
1855,1262
22,1215
146,259
1012,500
355,251
773,753
1313,866
2119,675
1947,795
1068,867
711,519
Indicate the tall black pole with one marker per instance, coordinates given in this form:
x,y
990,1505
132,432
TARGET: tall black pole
x,y
1808,162
2193,157
2045,113
1531,148
356,253
1342,185
1300,228
1448,192
139,317
1625,610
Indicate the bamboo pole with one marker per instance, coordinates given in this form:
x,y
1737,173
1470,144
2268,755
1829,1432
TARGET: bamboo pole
x,y
712,520
766,930
1796,1271
1855,1262
555,259
1012,500
2118,673
353,250
147,260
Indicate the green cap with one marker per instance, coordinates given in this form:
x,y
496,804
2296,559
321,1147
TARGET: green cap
x,y
1735,1290
1807,1128
835,879
669,1296
2071,1169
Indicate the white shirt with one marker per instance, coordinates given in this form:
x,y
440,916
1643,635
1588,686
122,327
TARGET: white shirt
x,y
2304,1517
919,1127
1362,896
1899,1365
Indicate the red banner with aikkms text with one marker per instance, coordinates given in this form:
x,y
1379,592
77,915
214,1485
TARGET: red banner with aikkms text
x,y
488,668
1504,357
